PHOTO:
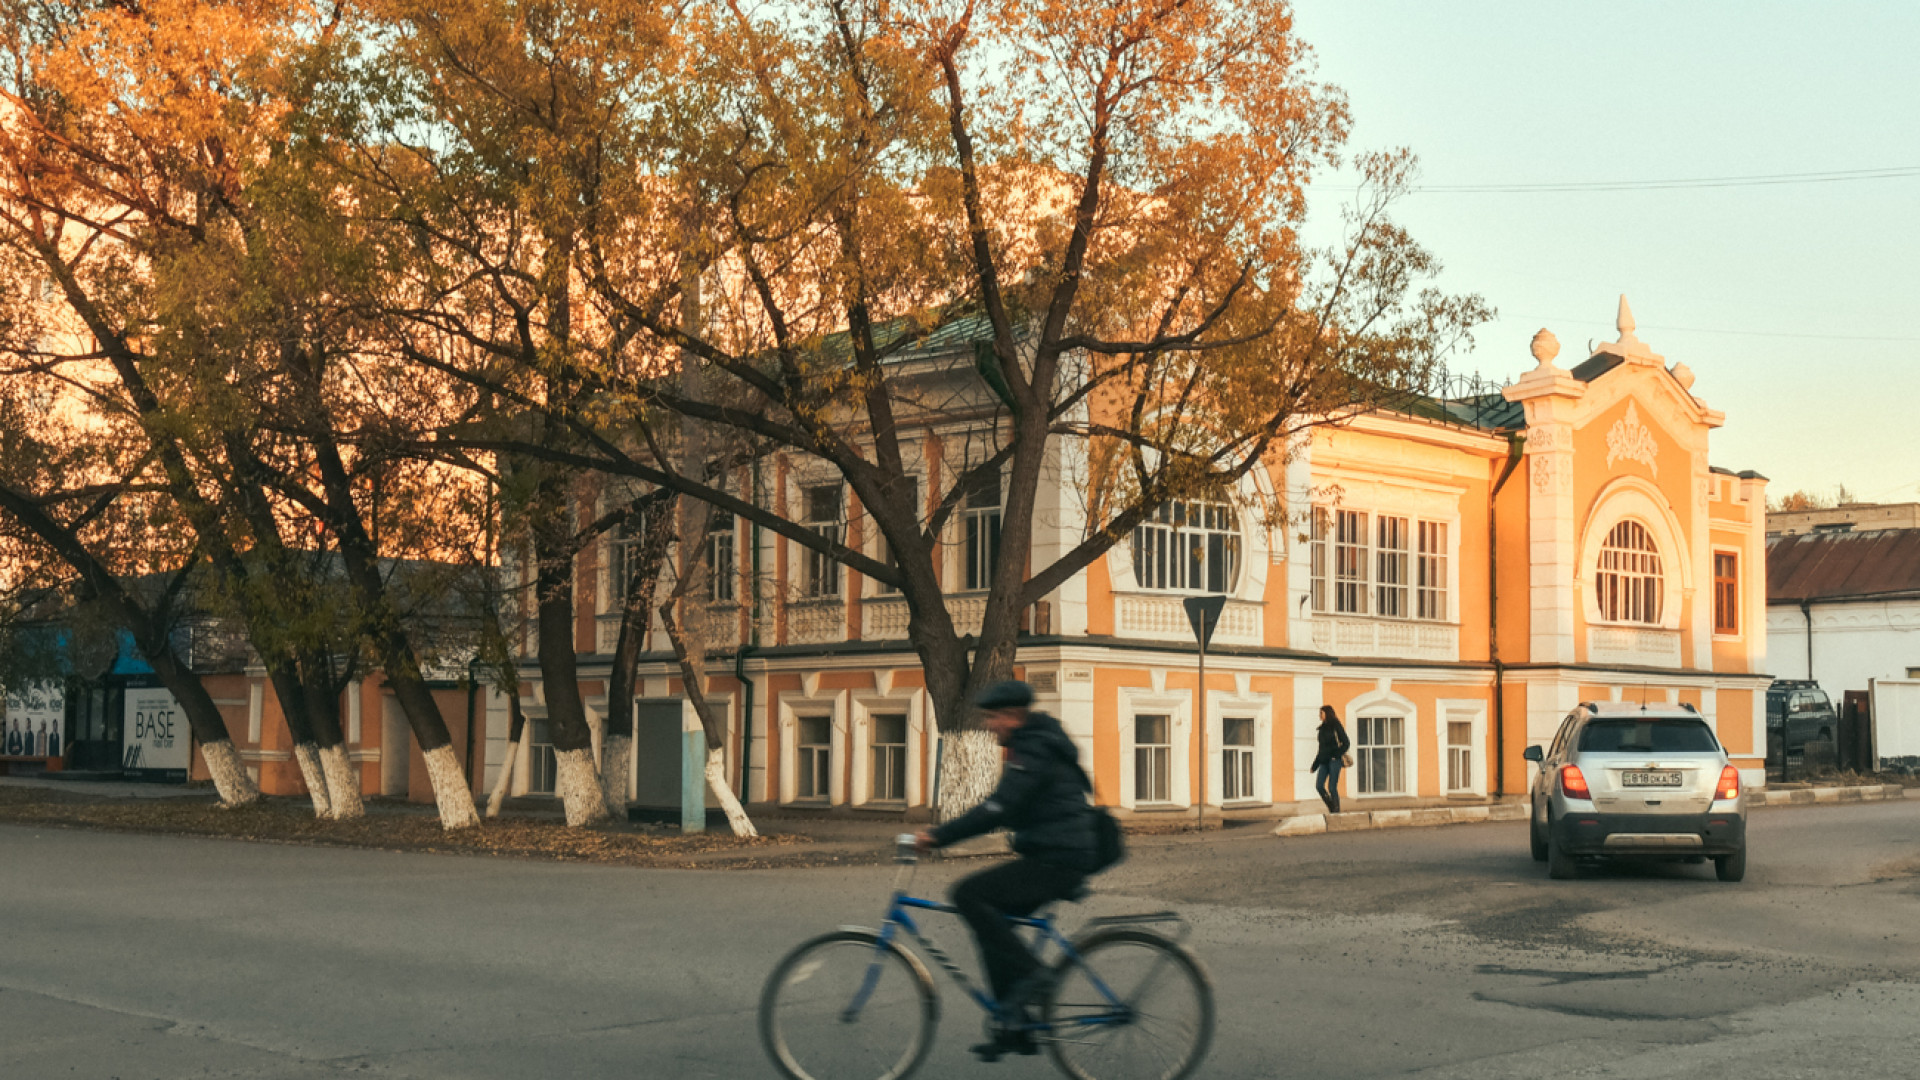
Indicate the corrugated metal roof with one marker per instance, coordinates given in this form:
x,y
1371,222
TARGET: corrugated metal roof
x,y
1832,565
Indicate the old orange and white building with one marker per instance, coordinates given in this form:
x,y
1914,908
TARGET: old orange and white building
x,y
1452,580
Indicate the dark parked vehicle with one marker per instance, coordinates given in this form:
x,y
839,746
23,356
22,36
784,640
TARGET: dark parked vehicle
x,y
1799,712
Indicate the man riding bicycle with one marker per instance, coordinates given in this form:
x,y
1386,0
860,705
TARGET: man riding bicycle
x,y
1042,797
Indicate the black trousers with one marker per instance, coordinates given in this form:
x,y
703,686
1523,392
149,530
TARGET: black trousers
x,y
1018,888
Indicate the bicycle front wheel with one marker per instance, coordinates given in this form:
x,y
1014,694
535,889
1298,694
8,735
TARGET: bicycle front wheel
x,y
845,1006
1130,1006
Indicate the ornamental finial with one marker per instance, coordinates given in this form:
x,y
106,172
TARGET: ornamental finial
x,y
1624,323
1545,347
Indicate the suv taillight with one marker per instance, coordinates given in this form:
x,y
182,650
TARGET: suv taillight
x,y
1729,784
1573,783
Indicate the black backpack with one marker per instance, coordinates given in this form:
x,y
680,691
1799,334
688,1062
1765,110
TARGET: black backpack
x,y
1109,843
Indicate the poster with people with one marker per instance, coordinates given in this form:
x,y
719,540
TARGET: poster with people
x,y
157,743
35,721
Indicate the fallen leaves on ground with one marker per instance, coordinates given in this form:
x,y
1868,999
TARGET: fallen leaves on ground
x,y
403,828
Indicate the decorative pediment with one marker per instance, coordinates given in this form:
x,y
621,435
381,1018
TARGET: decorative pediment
x,y
1631,440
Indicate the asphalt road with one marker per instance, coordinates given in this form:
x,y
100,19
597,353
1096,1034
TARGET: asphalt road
x,y
1430,953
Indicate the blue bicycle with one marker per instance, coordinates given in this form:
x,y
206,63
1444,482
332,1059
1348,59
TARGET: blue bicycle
x,y
859,1004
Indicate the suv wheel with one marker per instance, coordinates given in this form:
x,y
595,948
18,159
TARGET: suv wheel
x,y
1560,865
1731,867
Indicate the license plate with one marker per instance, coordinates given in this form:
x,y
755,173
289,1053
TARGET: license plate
x,y
1652,779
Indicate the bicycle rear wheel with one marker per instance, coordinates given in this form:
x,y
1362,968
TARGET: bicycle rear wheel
x,y
1133,1006
843,1006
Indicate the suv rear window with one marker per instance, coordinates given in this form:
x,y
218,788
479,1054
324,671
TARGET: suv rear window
x,y
1647,735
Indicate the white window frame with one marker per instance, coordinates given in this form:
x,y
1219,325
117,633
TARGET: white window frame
x,y
791,708
911,703
723,562
1474,713
1386,704
1433,579
1631,565
1178,708
1392,566
820,573
1319,571
1156,544
980,534
1259,708
1352,584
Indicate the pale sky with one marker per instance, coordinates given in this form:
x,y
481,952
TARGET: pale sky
x,y
1793,303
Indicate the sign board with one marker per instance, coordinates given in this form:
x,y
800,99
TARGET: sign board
x,y
35,723
158,745
1203,614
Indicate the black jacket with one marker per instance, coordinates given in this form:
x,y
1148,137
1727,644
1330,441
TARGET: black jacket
x,y
1042,797
1333,743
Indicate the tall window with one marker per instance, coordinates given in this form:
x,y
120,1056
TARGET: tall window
x,y
1188,544
1317,588
820,575
1628,584
1236,758
1459,755
623,558
1726,593
1431,575
981,548
1390,567
1380,755
889,758
721,570
815,756
1152,759
1350,562
543,767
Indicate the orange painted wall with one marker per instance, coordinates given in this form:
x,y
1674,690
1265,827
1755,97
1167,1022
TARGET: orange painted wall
x,y
1281,688
1107,683
1515,602
1099,598
1674,482
1734,712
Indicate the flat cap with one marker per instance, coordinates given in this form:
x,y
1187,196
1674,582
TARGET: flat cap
x,y
1010,694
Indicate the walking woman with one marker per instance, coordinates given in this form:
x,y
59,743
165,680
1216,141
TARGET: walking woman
x,y
1331,758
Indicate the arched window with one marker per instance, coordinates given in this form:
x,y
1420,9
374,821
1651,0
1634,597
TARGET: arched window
x,y
1192,545
1628,582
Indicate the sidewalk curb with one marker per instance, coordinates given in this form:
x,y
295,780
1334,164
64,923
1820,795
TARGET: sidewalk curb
x,y
1419,817
1313,824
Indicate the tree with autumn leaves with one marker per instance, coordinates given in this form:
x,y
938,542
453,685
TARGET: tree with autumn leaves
x,y
639,246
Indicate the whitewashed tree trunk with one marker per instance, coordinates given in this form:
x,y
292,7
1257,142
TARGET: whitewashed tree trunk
x,y
450,792
577,783
969,770
308,756
505,783
343,784
618,755
230,777
717,780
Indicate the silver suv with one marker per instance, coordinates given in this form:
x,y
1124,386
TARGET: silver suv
x,y
1626,779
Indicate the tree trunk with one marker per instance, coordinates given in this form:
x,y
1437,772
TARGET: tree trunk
x,y
693,677
517,732
643,579
578,779
969,769
717,780
285,676
307,755
321,694
394,647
